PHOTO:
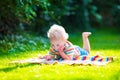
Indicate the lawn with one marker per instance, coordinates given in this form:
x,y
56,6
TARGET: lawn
x,y
106,43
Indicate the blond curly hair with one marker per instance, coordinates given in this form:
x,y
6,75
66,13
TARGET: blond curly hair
x,y
57,32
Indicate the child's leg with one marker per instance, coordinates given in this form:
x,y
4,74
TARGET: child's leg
x,y
86,44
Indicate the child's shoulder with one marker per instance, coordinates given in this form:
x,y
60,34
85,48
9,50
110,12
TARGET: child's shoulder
x,y
68,42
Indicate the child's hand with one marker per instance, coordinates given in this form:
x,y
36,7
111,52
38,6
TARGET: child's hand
x,y
61,49
40,56
47,57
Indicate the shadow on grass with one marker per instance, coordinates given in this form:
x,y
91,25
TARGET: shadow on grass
x,y
10,68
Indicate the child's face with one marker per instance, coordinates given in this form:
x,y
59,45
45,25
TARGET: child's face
x,y
57,44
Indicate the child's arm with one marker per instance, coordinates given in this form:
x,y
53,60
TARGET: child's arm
x,y
48,57
63,55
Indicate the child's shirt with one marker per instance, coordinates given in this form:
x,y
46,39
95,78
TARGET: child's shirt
x,y
70,50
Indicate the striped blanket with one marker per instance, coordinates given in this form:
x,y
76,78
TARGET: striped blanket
x,y
83,60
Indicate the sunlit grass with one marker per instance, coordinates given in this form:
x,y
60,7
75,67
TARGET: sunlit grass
x,y
103,43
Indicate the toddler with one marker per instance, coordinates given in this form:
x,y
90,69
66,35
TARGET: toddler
x,y
61,48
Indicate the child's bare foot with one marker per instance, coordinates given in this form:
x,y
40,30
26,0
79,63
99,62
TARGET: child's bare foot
x,y
86,34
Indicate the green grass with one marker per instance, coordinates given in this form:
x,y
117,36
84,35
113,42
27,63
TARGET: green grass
x,y
106,43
